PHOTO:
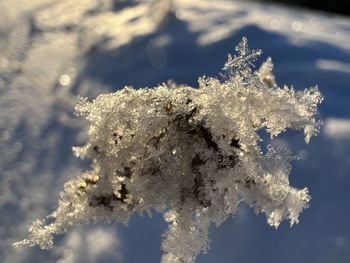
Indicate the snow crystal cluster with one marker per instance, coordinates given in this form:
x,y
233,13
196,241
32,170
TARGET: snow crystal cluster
x,y
189,153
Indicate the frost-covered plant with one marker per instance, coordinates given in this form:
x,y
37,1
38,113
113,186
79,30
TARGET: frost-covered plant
x,y
190,153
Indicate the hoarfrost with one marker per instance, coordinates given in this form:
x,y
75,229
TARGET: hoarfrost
x,y
190,153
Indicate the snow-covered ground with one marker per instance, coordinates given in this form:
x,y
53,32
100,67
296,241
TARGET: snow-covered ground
x,y
53,51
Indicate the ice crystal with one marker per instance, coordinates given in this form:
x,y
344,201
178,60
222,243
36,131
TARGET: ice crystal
x,y
190,153
243,63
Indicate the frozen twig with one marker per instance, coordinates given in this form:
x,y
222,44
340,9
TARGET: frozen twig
x,y
190,153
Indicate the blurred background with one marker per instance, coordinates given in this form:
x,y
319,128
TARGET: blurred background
x,y
52,51
336,6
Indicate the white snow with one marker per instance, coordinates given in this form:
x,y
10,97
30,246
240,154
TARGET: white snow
x,y
338,129
40,50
